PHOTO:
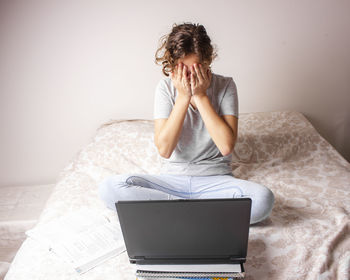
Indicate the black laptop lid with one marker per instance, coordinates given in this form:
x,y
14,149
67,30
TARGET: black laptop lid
x,y
185,231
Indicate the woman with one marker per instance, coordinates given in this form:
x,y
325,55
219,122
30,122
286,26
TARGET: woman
x,y
195,130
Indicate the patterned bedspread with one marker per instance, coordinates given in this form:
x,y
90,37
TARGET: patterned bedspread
x,y
306,236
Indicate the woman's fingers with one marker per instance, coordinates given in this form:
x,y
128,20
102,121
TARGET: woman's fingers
x,y
198,73
209,74
193,79
202,71
179,71
184,71
186,79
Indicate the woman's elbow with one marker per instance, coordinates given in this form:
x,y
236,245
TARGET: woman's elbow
x,y
228,150
162,151
164,154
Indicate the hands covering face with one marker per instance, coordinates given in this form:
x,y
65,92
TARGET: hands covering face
x,y
191,82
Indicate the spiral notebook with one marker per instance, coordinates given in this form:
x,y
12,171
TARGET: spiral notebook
x,y
186,238
188,271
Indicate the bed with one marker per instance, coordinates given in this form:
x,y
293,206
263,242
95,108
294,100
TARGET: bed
x,y
305,237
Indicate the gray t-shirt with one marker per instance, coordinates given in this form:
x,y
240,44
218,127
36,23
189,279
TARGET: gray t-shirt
x,y
196,153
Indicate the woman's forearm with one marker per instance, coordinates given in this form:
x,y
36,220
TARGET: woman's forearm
x,y
222,135
171,130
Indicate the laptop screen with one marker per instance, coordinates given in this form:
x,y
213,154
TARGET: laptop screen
x,y
189,230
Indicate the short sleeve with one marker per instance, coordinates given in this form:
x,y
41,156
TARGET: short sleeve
x,y
162,101
229,102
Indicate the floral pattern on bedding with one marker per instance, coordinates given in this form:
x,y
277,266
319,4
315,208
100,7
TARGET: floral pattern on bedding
x,y
305,237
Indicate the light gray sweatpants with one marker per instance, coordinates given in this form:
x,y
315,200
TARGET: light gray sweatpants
x,y
168,186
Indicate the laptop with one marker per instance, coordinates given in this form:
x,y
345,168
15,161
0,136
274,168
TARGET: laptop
x,y
186,235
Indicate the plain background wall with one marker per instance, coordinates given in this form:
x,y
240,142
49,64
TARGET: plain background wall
x,y
68,66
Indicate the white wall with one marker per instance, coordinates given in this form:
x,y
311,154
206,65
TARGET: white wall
x,y
68,66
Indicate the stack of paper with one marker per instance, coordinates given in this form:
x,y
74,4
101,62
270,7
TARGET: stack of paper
x,y
83,238
189,271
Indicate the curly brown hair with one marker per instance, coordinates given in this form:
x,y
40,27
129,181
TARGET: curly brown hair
x,y
184,39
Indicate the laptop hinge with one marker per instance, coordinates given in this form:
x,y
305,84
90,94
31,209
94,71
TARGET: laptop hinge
x,y
136,258
143,258
238,260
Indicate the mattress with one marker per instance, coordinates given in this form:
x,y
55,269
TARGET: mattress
x,y
305,237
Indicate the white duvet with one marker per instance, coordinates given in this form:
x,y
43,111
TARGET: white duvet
x,y
306,237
